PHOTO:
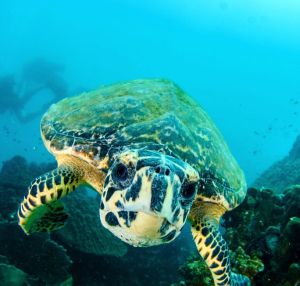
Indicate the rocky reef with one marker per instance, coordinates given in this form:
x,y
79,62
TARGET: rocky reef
x,y
283,173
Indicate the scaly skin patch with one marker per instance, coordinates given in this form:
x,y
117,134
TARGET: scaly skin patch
x,y
212,246
40,211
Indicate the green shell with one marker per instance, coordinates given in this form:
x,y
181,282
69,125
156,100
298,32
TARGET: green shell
x,y
151,113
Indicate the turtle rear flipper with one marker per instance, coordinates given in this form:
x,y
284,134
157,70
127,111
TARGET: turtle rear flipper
x,y
40,210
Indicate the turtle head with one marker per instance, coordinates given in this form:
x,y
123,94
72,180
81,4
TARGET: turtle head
x,y
147,196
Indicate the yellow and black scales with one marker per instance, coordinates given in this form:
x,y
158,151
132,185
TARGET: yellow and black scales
x,y
156,158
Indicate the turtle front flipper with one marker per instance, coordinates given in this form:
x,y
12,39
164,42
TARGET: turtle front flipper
x,y
214,250
40,210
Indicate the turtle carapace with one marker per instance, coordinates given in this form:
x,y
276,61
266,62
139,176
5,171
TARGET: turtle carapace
x,y
156,159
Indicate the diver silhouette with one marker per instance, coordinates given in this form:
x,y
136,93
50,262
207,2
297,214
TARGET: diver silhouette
x,y
37,76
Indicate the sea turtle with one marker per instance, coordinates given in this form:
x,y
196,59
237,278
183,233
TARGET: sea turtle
x,y
156,159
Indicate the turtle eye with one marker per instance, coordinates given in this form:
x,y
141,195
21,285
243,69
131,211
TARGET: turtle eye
x,y
121,172
188,190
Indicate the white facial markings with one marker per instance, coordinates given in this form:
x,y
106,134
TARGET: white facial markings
x,y
142,202
167,204
148,210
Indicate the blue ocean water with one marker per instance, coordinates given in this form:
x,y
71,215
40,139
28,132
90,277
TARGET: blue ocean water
x,y
241,61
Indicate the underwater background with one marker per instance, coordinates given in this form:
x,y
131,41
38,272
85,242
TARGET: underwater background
x,y
239,59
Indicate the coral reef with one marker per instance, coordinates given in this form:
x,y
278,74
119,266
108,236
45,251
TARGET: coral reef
x,y
244,263
15,176
16,173
266,225
195,272
263,234
283,173
83,230
10,275
37,255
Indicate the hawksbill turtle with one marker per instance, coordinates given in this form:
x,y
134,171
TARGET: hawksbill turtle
x,y
155,157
